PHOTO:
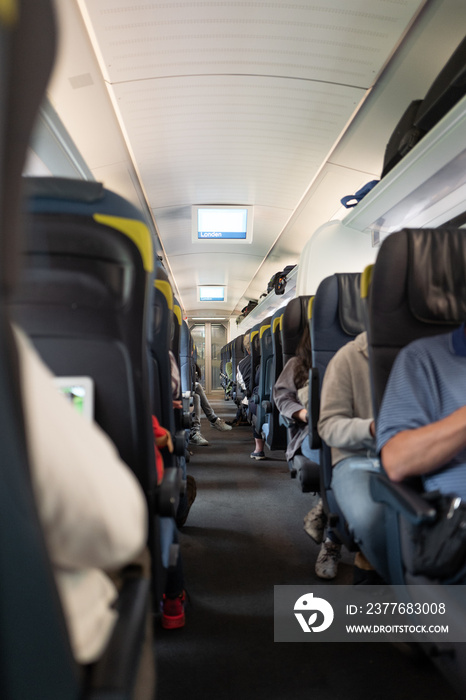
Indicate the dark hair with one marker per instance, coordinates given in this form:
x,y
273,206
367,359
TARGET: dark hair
x,y
198,370
304,355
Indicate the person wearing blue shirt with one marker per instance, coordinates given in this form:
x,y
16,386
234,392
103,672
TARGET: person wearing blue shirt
x,y
421,428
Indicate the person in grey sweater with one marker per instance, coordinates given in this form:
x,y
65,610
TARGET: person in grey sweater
x,y
346,424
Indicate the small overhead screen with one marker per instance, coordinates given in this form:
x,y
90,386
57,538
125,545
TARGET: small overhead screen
x,y
231,224
211,293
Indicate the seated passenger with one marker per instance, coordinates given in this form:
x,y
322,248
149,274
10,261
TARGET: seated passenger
x,y
243,380
90,504
421,426
200,400
420,430
290,395
248,382
347,426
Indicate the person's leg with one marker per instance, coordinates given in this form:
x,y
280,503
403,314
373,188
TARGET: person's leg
x,y
173,615
196,414
195,437
205,405
214,421
365,517
259,443
312,455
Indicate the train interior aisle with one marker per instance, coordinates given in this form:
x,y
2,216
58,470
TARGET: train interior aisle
x,y
243,536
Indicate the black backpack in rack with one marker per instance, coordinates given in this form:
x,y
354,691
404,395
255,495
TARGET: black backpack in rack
x,y
421,115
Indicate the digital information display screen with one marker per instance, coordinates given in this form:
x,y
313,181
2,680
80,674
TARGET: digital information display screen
x,y
222,224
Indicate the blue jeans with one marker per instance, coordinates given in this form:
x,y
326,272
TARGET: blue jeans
x,y
365,517
313,455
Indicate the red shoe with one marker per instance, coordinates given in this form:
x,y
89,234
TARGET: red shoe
x,y
173,612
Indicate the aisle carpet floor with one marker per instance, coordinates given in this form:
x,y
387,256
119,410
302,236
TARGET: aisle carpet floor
x,y
243,536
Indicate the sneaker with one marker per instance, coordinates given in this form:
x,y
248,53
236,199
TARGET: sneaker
x,y
220,424
327,561
197,439
191,493
173,612
314,523
257,455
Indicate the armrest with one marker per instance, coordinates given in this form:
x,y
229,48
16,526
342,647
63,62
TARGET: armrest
x,y
403,499
179,443
314,408
168,493
114,674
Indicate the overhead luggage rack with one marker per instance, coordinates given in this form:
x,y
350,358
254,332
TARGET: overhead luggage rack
x,y
427,188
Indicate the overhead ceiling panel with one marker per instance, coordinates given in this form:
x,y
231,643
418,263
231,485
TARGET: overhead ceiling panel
x,y
331,40
236,102
231,138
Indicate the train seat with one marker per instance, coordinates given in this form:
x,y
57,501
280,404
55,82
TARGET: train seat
x,y
255,372
418,289
237,354
426,296
186,361
264,390
166,337
182,416
82,299
85,300
276,431
337,317
227,378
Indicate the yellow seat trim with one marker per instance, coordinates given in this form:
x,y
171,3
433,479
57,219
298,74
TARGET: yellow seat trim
x,y
177,312
262,330
310,306
277,322
366,279
137,231
165,287
8,12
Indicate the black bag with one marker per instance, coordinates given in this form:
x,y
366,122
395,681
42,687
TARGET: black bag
x,y
447,89
248,308
278,281
404,137
439,548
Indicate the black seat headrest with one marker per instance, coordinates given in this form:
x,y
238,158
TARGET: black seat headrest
x,y
437,275
350,305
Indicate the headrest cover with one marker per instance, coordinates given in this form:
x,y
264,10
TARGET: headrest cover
x,y
437,275
64,188
350,304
